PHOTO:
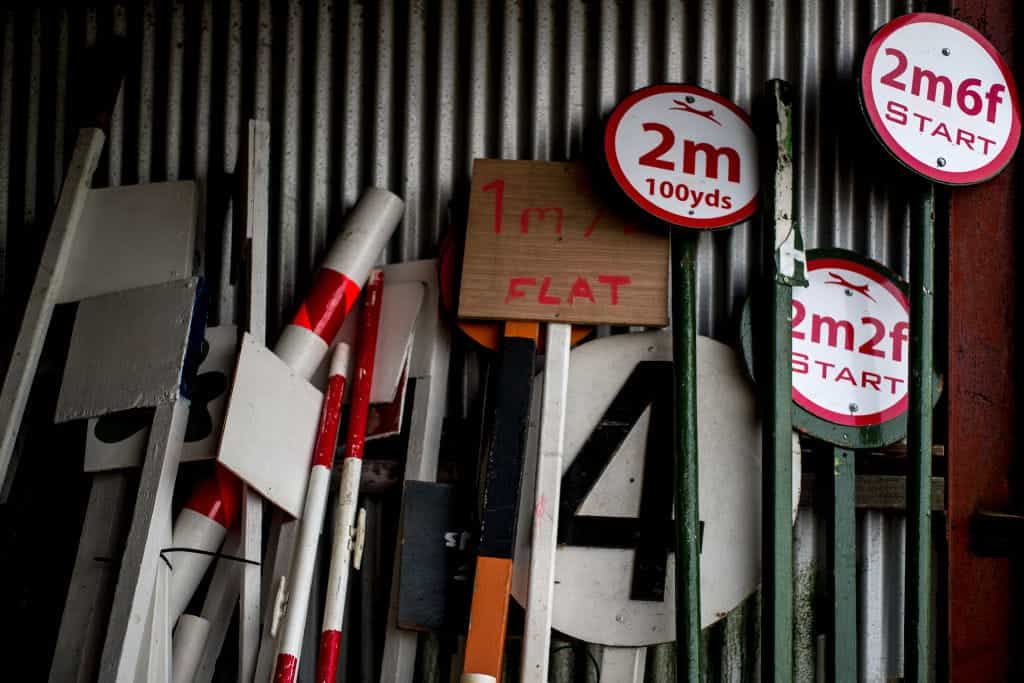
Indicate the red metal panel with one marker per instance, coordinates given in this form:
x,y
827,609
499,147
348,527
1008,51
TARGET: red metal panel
x,y
982,400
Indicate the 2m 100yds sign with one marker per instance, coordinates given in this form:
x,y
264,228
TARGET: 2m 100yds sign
x,y
685,155
850,343
940,98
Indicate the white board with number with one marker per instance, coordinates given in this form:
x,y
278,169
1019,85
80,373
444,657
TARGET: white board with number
x,y
614,572
940,98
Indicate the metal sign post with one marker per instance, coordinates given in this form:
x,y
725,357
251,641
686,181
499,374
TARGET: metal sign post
x,y
686,156
942,101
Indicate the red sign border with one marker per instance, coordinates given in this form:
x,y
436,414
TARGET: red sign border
x,y
739,215
871,419
980,175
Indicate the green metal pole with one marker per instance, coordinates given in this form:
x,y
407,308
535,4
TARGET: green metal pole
x,y
684,353
917,625
842,537
787,269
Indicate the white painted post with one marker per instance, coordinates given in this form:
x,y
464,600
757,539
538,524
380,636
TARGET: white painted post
x,y
540,591
623,664
45,291
256,221
137,576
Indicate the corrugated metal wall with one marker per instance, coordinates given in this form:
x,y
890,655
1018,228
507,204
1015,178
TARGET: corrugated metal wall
x,y
405,95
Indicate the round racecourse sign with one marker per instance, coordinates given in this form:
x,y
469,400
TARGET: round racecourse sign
x,y
940,98
685,155
850,342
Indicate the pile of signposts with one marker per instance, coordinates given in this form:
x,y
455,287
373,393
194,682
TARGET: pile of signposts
x,y
597,510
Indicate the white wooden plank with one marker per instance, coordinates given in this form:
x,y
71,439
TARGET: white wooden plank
x,y
45,291
623,664
540,590
132,236
190,637
256,221
270,427
87,608
127,350
137,575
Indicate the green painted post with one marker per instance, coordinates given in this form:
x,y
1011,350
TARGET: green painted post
x,y
843,555
917,624
684,353
786,257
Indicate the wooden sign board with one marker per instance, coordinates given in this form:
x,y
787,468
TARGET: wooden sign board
x,y
540,245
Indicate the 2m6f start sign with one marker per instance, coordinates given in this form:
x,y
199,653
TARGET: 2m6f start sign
x,y
940,98
685,155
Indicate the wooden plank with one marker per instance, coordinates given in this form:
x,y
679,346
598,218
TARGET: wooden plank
x,y
137,575
876,492
982,406
541,245
219,606
45,292
257,217
87,607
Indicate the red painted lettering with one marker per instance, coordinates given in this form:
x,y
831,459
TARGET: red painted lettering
x,y
896,112
873,382
818,322
923,119
581,290
800,365
943,131
513,287
899,338
845,375
962,136
524,219
893,381
499,196
543,296
712,155
824,368
613,282
593,224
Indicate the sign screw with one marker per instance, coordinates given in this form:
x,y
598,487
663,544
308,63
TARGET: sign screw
x,y
690,99
940,162
945,51
853,407
848,292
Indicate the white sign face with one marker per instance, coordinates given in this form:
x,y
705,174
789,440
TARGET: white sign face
x,y
614,567
685,155
850,343
940,98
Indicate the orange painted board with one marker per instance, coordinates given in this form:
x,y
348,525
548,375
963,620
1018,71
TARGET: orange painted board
x,y
485,643
541,245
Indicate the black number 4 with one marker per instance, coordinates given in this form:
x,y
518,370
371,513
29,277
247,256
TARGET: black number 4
x,y
651,534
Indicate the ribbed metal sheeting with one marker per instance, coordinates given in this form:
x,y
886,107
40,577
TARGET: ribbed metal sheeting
x,y
405,95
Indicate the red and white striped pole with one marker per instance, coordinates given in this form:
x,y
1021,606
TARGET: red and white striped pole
x,y
301,576
348,493
213,508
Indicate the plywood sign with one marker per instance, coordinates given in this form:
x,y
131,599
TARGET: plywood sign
x,y
540,245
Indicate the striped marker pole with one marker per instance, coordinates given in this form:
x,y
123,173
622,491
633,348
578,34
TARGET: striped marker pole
x,y
301,575
348,493
214,505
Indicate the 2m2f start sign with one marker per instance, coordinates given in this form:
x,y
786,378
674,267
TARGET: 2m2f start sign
x,y
940,98
685,155
850,341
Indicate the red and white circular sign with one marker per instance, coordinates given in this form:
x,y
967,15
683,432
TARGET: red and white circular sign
x,y
685,155
940,98
850,343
